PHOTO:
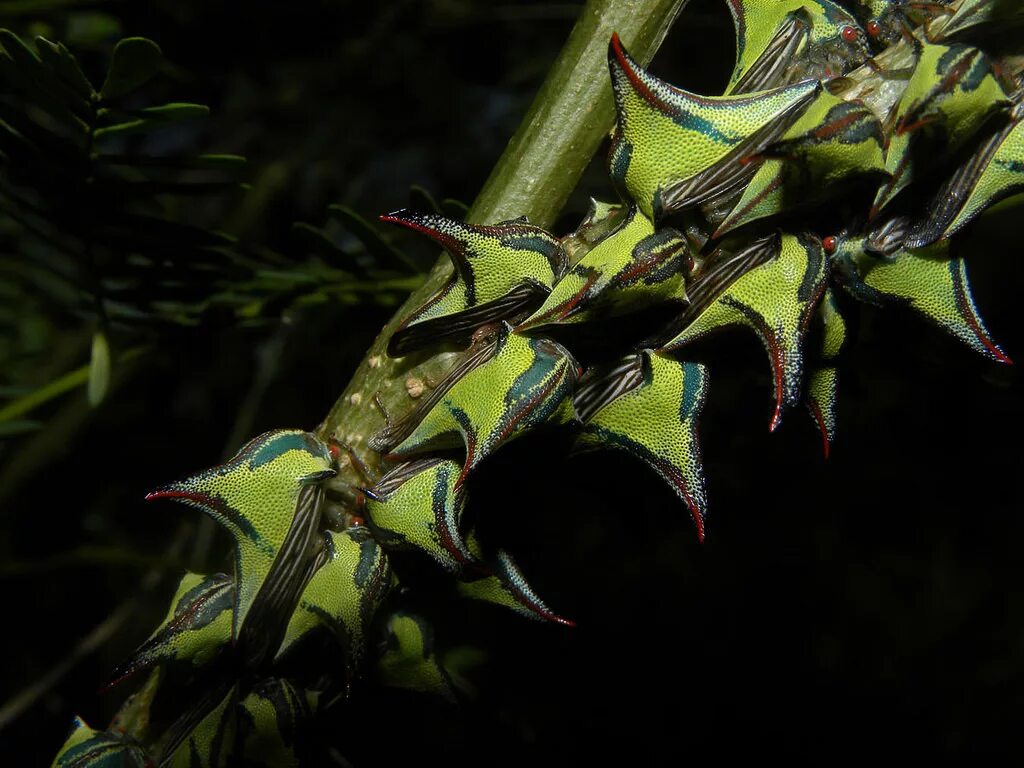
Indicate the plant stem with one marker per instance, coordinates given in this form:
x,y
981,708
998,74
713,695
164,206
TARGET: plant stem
x,y
572,112
540,167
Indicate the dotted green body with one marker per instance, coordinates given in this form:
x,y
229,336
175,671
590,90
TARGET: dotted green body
x,y
253,496
1002,176
410,661
657,422
776,301
524,385
211,744
833,335
492,263
666,136
928,280
196,627
506,586
832,142
86,747
950,95
424,512
272,721
344,593
631,269
262,729
822,392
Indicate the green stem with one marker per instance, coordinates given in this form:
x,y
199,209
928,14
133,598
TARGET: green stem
x,y
56,388
572,113
570,116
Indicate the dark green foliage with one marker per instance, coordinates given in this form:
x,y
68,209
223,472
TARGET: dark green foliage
x,y
82,178
104,224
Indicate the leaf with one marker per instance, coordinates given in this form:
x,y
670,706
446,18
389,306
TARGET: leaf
x,y
135,61
14,144
40,85
99,369
317,241
94,29
176,111
20,427
230,163
44,394
421,200
454,209
54,149
20,53
60,60
150,117
144,187
371,238
127,228
35,7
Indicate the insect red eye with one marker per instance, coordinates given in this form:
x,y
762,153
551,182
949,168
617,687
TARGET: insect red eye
x,y
830,244
874,28
849,34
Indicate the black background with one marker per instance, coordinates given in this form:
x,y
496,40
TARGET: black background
x,y
863,607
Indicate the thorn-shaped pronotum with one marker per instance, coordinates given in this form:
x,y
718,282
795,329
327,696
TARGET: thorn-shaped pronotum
x,y
993,172
929,280
500,270
267,497
196,627
649,406
775,300
833,143
634,267
352,580
951,94
525,384
674,150
86,747
822,387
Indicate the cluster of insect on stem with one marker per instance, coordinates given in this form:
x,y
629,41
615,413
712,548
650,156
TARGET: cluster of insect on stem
x,y
808,185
